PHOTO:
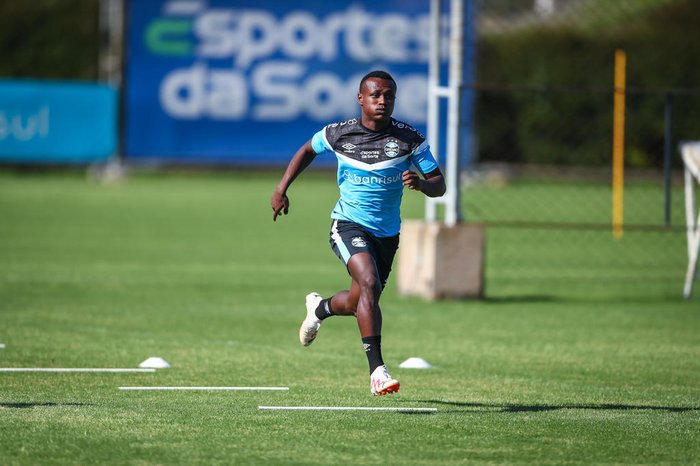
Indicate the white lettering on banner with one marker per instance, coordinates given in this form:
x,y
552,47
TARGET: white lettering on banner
x,y
273,82
327,44
269,79
299,35
259,37
34,126
324,96
282,91
192,93
216,40
228,98
181,93
392,37
357,23
248,35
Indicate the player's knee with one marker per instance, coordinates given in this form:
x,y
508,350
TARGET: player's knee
x,y
369,284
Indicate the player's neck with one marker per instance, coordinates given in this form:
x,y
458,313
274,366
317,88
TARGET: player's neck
x,y
375,125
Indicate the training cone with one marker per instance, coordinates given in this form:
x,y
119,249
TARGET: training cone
x,y
415,363
155,363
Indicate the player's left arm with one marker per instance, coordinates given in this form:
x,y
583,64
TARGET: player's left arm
x,y
432,186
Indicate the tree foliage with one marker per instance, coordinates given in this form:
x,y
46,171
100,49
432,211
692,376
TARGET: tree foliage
x,y
555,99
56,39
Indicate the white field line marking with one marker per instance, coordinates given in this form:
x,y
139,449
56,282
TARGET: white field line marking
x,y
2,345
204,388
70,369
347,408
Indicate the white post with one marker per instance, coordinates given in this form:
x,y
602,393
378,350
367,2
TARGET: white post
x,y
444,260
691,159
433,96
452,215
111,19
452,92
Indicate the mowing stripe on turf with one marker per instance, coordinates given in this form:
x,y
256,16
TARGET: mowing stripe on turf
x,y
203,388
71,369
348,408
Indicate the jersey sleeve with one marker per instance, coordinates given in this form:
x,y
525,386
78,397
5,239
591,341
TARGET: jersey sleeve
x,y
423,159
319,143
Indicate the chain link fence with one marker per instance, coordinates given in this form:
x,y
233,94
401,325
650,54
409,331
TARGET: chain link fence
x,y
542,177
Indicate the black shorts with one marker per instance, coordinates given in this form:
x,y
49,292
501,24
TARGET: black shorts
x,y
348,238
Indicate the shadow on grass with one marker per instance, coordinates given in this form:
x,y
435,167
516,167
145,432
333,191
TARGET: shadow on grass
x,y
578,298
40,404
519,408
522,299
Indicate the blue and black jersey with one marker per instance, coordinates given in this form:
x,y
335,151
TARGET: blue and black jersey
x,y
370,164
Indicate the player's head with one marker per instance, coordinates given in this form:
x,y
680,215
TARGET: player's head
x,y
377,74
377,96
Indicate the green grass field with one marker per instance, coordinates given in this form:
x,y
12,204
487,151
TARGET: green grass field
x,y
191,268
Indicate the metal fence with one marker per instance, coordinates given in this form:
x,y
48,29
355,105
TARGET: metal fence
x,y
541,180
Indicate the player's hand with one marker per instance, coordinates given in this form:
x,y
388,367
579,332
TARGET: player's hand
x,y
280,204
411,180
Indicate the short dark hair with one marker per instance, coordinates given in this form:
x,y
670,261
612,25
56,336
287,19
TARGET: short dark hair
x,y
376,74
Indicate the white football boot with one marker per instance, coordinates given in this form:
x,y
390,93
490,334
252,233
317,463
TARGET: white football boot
x,y
310,325
381,383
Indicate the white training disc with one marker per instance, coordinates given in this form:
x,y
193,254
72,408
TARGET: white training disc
x,y
415,363
155,362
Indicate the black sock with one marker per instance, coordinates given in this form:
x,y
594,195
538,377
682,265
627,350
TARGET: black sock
x,y
324,309
373,351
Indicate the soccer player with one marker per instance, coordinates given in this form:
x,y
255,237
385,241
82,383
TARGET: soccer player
x,y
375,155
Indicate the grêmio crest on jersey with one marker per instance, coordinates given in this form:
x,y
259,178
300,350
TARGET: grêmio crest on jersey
x,y
352,140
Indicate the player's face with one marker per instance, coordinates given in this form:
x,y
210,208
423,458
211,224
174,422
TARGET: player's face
x,y
377,98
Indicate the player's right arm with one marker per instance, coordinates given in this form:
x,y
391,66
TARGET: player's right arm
x,y
301,159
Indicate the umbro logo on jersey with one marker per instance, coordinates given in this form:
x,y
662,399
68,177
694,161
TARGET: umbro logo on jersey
x,y
348,146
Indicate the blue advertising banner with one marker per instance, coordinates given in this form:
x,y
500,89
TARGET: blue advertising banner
x,y
57,122
249,81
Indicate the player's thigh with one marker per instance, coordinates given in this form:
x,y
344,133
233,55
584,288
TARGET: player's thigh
x,y
363,270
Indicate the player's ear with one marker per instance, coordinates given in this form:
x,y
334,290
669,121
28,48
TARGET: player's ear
x,y
359,98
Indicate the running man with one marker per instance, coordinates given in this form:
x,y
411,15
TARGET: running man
x,y
375,155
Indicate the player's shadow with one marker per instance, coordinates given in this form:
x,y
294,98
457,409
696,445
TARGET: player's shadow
x,y
39,404
466,407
